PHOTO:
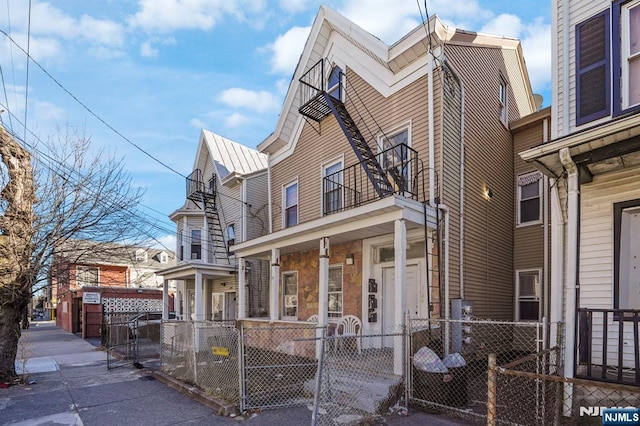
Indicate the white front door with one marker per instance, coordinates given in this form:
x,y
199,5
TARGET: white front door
x,y
230,305
388,299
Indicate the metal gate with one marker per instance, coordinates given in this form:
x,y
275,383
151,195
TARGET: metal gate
x,y
132,339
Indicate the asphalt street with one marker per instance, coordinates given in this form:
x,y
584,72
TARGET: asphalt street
x,y
67,383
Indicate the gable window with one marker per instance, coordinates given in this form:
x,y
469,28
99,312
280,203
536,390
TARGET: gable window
x,y
334,305
196,244
396,160
164,257
333,187
529,199
528,295
592,68
626,228
141,255
291,205
334,84
502,96
231,234
290,294
87,276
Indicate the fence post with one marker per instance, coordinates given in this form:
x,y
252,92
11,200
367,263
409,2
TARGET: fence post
x,y
491,390
241,363
319,371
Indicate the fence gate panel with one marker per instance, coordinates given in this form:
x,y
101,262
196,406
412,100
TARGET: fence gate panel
x,y
120,339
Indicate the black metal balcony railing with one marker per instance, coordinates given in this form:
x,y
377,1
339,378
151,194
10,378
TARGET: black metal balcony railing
x,y
351,187
609,346
196,185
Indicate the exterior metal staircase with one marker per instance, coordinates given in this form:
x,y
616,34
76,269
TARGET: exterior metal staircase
x,y
206,197
318,104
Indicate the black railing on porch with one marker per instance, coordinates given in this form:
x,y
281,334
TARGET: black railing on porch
x,y
351,187
196,186
609,345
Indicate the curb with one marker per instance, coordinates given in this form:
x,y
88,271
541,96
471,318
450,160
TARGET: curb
x,y
222,408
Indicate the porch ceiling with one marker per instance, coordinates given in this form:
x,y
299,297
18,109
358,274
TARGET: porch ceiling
x,y
363,222
611,146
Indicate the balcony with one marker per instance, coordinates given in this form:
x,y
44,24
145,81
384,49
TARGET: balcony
x,y
196,188
609,347
351,187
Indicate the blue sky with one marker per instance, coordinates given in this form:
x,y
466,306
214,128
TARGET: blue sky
x,y
158,71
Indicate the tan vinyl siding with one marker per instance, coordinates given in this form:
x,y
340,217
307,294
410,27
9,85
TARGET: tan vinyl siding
x,y
488,266
257,210
313,149
230,208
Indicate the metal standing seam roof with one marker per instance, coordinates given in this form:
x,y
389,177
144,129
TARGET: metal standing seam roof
x,y
230,156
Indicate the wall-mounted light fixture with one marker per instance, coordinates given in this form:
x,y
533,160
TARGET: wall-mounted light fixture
x,y
349,259
488,193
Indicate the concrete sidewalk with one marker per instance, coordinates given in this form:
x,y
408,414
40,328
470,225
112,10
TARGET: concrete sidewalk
x,y
68,384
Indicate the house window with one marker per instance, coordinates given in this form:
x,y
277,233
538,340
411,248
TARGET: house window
x,y
231,234
196,244
217,306
87,276
630,63
396,160
528,295
164,257
502,96
334,305
141,255
291,205
529,199
592,68
290,294
626,228
334,84
180,246
333,187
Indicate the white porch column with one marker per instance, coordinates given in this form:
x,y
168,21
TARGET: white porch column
x,y
242,289
400,291
323,290
275,284
177,301
199,302
165,299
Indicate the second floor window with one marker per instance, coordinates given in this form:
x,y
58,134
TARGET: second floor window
x,y
333,188
291,205
502,94
529,199
334,85
231,234
87,276
196,244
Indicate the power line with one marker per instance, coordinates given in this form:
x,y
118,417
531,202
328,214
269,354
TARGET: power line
x,y
89,109
26,91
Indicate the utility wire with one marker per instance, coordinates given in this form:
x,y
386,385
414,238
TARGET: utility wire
x,y
89,109
26,85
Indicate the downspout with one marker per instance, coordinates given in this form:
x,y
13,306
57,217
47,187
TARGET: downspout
x,y
432,202
571,273
565,69
462,160
245,209
269,192
545,239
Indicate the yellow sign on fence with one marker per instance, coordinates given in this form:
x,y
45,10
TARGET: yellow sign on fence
x,y
219,350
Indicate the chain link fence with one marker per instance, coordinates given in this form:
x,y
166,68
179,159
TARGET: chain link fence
x,y
203,353
448,361
279,365
361,378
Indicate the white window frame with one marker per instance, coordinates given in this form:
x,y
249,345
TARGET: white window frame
x,y
536,298
141,255
231,234
324,167
222,312
390,135
191,245
284,204
86,268
336,313
523,178
340,86
626,53
164,257
503,100
283,296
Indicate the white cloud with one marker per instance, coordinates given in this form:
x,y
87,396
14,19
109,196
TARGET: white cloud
x,y
387,20
168,15
287,48
101,31
197,123
48,112
260,101
504,25
293,6
166,242
148,51
236,120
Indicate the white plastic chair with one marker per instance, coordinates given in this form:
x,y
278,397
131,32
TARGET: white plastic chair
x,y
313,318
350,326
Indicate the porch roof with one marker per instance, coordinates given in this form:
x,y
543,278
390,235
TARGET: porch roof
x,y
187,270
598,149
362,222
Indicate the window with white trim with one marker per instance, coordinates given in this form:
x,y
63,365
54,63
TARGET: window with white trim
x,y
396,159
164,257
528,295
335,86
290,201
231,234
626,233
630,37
334,305
333,188
502,96
87,276
529,198
290,294
141,255
196,244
